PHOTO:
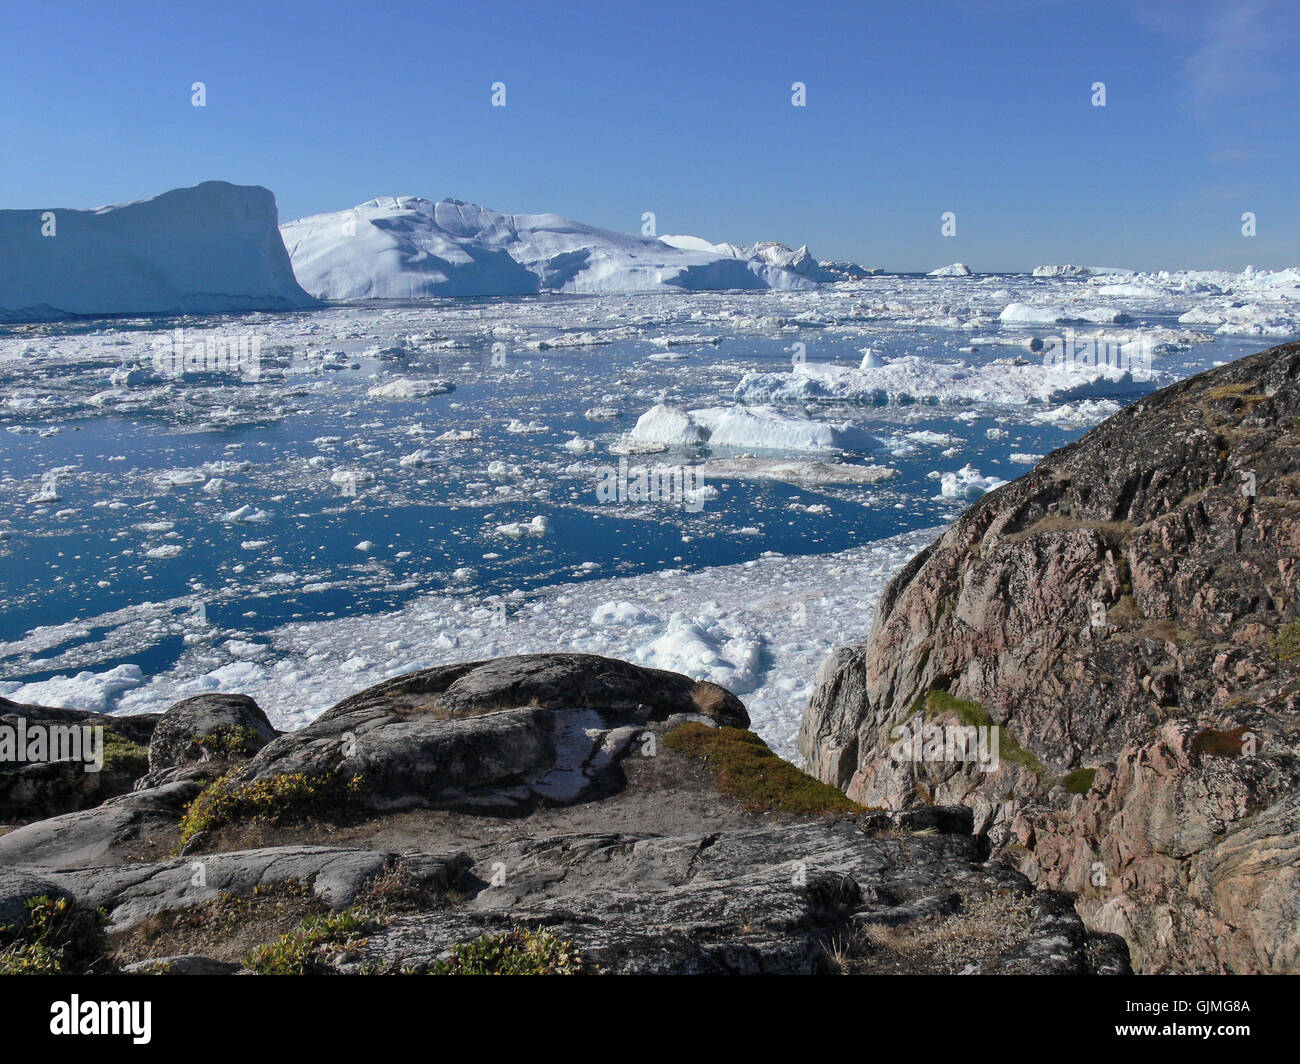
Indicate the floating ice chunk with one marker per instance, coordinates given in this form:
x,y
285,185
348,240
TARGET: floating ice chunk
x,y
525,427
168,550
246,514
871,359
365,546
579,445
626,614
406,388
967,483
956,269
538,526
415,459
719,649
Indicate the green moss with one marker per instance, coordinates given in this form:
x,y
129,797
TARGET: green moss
x,y
1286,644
516,952
1080,780
938,701
274,799
57,938
745,768
123,756
302,951
230,742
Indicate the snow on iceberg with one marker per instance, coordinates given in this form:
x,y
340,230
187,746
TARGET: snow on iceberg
x,y
410,248
213,248
758,427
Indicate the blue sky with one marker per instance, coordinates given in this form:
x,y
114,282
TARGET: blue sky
x,y
684,109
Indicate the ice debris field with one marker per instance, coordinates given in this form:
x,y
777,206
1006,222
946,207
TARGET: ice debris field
x,y
330,496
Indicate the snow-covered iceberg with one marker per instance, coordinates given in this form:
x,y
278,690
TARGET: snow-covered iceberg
x,y
411,248
213,248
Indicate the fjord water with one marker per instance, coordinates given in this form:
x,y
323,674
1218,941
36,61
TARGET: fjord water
x,y
162,536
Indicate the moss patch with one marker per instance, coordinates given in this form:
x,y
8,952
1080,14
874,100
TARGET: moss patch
x,y
1286,644
745,768
516,952
1080,780
275,799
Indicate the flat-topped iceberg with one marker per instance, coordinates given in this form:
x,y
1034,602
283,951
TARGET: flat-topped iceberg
x,y
411,248
213,248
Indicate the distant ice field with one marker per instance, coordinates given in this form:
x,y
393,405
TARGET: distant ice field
x,y
372,488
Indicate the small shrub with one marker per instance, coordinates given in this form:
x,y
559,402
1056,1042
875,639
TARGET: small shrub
x,y
746,768
229,742
274,799
1080,780
123,756
57,938
516,952
302,950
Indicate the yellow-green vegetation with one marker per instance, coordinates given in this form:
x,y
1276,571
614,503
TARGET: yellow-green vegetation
x,y
122,755
229,742
1286,644
302,951
56,938
273,799
938,701
745,768
1214,743
516,952
1080,780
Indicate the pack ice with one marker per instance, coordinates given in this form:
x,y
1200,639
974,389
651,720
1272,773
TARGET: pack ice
x,y
410,248
213,248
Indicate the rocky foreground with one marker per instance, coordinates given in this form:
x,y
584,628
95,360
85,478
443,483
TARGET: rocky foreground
x,y
1127,614
558,813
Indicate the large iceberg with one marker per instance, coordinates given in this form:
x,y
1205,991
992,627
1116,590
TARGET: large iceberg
x,y
213,248
411,248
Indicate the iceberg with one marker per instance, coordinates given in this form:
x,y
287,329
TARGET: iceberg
x,y
411,248
760,427
214,248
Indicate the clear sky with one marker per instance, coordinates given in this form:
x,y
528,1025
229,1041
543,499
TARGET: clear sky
x,y
683,107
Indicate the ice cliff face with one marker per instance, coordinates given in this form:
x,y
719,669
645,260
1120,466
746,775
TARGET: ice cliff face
x,y
410,248
207,249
